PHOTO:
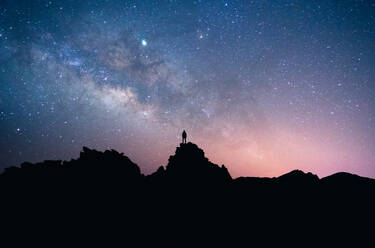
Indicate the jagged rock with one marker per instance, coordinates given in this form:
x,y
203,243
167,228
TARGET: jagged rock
x,y
189,165
104,194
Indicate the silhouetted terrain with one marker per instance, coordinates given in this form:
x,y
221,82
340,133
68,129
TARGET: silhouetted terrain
x,y
102,198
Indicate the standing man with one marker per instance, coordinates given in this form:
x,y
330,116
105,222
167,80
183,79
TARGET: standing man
x,y
184,137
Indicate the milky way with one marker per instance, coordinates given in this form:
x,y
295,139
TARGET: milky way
x,y
263,87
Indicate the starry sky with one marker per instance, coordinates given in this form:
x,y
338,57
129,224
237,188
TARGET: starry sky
x,y
263,87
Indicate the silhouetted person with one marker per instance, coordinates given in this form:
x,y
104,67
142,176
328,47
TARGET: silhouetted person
x,y
184,137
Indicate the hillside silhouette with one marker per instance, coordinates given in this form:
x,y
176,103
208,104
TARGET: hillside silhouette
x,y
102,198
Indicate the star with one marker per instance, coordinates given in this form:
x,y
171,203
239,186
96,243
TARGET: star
x,y
224,70
144,42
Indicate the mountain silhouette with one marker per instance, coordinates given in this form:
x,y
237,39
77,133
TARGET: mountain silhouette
x,y
102,198
189,167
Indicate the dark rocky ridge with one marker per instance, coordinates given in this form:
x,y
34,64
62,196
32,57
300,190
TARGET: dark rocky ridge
x,y
103,197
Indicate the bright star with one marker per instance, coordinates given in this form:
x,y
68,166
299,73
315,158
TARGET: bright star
x,y
144,42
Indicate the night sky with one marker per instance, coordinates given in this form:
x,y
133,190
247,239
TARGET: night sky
x,y
263,87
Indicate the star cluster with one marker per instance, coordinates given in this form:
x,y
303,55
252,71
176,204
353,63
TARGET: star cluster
x,y
262,86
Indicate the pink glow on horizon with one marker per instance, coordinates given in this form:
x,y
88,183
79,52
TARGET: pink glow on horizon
x,y
286,151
